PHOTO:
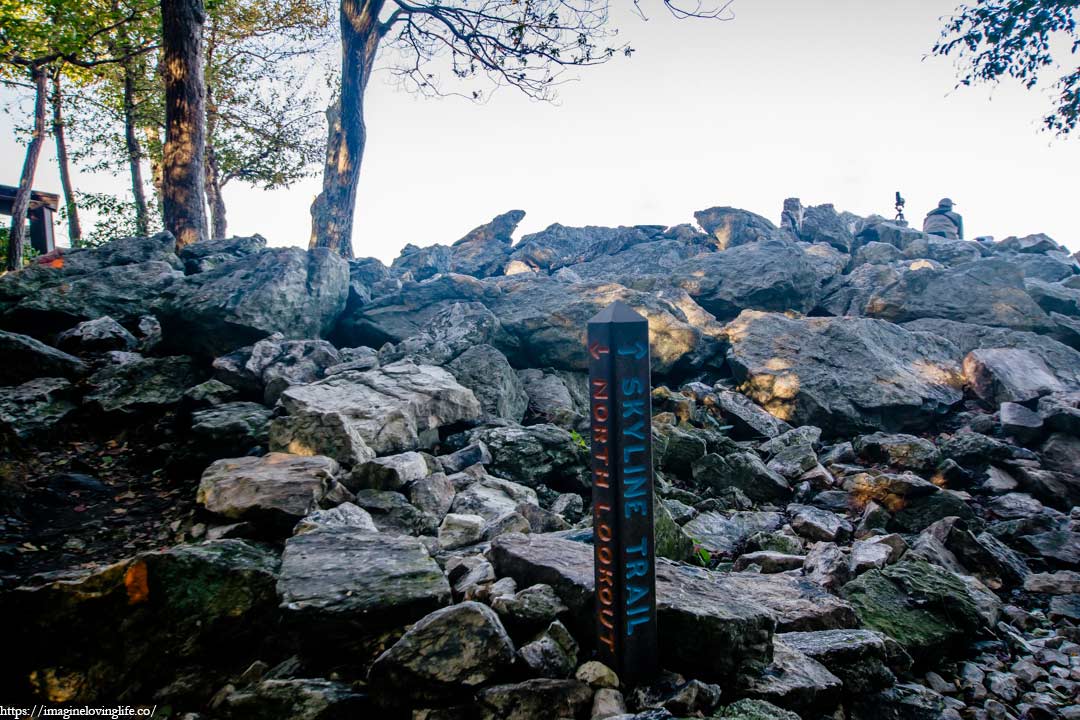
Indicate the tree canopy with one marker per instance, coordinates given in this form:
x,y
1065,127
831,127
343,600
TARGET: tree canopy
x,y
1020,39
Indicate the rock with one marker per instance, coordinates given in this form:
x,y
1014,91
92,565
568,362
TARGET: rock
x,y
94,336
725,535
858,657
1008,375
671,541
597,675
536,456
232,428
393,472
731,227
607,703
473,454
552,654
772,275
548,319
445,654
124,293
296,292
394,515
816,524
822,224
748,420
460,530
203,606
986,292
492,497
449,333
27,359
486,372
276,490
1060,412
549,397
755,710
1065,607
1063,361
920,512
541,697
1060,546
297,699
273,364
1063,582
558,246
769,561
870,555
1037,243
527,611
433,495
142,385
903,451
34,408
771,357
353,415
795,681
485,249
743,470
827,565
421,263
926,609
346,515
340,588
1019,422
696,608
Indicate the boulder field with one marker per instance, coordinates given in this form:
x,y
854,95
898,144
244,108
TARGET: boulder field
x,y
242,482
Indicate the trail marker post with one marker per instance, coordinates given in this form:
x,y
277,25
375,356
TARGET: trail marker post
x,y
622,475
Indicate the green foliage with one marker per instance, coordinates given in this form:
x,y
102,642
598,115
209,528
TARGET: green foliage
x,y
578,440
28,255
993,39
115,218
701,553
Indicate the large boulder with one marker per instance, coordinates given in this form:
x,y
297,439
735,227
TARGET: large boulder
x,y
535,456
1000,375
340,588
298,293
497,387
1063,361
449,333
205,606
768,275
34,408
925,608
558,246
395,316
26,358
264,370
986,292
141,385
96,336
548,319
696,612
352,416
276,490
485,249
123,292
208,254
447,653
730,227
875,375
637,264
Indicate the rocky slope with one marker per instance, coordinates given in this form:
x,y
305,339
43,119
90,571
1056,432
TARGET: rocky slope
x,y
242,482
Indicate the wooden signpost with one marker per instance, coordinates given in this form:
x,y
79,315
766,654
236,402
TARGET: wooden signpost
x,y
622,474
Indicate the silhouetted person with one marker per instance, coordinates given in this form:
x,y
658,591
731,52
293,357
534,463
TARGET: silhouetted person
x,y
943,222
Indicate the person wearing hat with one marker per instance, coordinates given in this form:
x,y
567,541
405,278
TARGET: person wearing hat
x,y
943,222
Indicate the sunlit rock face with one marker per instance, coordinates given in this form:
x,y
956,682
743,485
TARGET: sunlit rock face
x,y
843,374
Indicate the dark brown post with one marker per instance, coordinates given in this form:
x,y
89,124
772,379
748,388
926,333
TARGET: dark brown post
x,y
624,554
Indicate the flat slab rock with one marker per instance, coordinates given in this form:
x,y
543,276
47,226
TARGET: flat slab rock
x,y
698,610
339,581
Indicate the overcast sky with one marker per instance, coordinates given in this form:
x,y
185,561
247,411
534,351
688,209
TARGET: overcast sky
x,y
826,100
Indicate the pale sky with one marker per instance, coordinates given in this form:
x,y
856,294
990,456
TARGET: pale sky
x,y
826,100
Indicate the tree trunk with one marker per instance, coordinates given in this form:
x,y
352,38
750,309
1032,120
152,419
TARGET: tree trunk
x,y
218,224
134,152
183,177
70,206
26,180
332,211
